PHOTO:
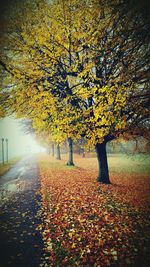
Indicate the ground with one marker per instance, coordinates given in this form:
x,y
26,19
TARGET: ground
x,y
56,215
90,224
21,245
7,166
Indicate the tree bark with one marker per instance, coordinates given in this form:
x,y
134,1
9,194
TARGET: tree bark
x,y
58,152
79,150
53,152
70,152
103,175
83,154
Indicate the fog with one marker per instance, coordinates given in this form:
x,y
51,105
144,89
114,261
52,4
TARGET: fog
x,y
19,143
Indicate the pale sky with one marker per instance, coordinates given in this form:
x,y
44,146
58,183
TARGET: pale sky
x,y
18,142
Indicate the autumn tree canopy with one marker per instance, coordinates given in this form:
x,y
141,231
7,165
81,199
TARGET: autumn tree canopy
x,y
78,68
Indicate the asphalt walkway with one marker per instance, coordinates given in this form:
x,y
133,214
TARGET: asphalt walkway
x,y
21,243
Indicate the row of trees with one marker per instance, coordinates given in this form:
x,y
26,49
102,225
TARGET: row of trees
x,y
78,69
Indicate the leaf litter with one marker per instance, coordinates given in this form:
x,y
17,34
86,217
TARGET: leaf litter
x,y
90,224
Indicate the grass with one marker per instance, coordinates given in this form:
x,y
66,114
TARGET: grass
x,y
52,163
122,163
118,163
7,166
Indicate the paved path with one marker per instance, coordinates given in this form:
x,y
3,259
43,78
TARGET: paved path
x,y
21,244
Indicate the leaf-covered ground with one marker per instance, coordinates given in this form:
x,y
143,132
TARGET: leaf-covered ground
x,y
90,224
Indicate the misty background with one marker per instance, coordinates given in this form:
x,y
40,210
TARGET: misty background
x,y
19,143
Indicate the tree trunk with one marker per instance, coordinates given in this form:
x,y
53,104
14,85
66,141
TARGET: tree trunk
x,y
70,146
58,152
53,152
103,176
79,150
83,154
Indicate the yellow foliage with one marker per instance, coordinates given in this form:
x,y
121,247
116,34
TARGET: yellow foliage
x,y
55,72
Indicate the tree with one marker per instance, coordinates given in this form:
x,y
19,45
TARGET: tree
x,y
84,67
